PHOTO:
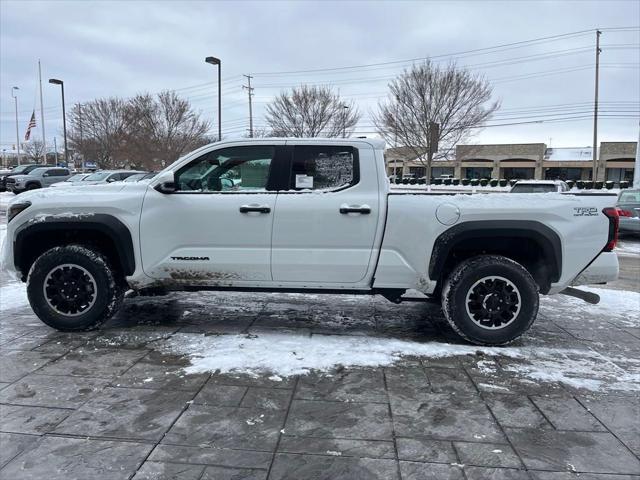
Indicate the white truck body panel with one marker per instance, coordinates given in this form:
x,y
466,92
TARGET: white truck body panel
x,y
304,241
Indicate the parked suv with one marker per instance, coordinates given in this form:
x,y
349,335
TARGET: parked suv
x,y
19,170
37,178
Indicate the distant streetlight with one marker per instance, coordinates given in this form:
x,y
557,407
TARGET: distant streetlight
x,y
216,61
15,98
55,81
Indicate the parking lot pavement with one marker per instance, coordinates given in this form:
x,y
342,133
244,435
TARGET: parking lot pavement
x,y
255,386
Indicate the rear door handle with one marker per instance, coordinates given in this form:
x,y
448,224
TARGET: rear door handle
x,y
255,208
362,209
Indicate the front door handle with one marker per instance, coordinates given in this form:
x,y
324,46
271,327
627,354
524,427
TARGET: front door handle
x,y
363,209
255,208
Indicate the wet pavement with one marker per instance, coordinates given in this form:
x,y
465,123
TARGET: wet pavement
x,y
118,404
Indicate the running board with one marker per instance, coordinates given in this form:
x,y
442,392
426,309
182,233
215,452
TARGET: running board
x,y
588,297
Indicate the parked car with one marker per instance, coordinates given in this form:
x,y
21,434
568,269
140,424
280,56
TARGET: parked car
x,y
73,180
306,215
140,176
629,205
19,170
37,178
108,176
539,186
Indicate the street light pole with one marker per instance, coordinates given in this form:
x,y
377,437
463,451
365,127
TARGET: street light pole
x,y
55,81
216,61
15,98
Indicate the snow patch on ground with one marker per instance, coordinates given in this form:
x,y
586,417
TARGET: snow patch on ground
x,y
628,247
621,306
286,354
13,294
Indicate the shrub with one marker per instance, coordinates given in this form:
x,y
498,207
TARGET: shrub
x,y
624,184
503,182
456,181
465,181
493,182
437,181
447,181
484,182
608,184
475,182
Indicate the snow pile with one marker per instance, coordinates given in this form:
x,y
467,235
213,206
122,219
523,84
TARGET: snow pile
x,y
620,307
13,294
628,248
287,354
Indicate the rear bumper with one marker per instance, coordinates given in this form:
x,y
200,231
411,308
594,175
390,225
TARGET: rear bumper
x,y
603,269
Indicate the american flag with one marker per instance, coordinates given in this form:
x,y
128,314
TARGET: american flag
x,y
32,124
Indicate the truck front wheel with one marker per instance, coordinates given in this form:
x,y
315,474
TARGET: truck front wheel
x,y
490,300
73,288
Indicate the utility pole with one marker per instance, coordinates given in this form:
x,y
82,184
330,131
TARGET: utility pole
x,y
44,138
249,89
81,138
55,149
595,110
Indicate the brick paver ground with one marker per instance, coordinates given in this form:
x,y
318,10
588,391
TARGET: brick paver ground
x,y
109,405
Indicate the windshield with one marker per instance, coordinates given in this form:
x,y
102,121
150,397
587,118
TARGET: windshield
x,y
630,197
20,169
97,176
135,177
534,188
76,177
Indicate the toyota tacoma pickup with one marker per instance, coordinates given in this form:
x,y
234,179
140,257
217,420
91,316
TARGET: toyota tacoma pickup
x,y
306,215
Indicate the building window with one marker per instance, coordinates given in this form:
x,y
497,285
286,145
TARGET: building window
x,y
437,172
563,173
477,172
417,172
518,173
620,174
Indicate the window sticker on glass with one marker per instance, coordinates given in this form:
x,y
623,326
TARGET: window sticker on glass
x,y
304,181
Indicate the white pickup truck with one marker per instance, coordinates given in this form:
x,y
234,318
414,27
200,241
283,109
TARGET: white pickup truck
x,y
305,215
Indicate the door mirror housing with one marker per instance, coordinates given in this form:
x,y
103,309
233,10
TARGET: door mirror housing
x,y
165,183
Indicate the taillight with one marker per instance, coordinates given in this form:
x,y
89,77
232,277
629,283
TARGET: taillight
x,y
624,213
613,215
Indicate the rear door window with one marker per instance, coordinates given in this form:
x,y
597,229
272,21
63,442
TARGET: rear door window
x,y
317,167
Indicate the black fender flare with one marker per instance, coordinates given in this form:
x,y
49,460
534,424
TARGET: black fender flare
x,y
544,236
105,224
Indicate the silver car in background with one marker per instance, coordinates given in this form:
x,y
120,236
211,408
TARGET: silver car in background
x,y
37,178
108,176
629,211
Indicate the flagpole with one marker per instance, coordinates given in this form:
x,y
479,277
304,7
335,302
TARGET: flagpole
x,y
44,138
15,97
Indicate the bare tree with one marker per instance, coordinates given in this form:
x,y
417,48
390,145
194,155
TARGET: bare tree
x,y
161,129
145,131
430,109
311,111
34,150
98,131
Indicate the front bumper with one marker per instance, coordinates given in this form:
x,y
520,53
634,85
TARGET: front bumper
x,y
603,269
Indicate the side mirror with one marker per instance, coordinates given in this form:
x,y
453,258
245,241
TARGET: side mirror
x,y
165,183
111,180
45,174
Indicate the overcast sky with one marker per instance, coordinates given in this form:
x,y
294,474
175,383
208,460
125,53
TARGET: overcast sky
x,y
122,48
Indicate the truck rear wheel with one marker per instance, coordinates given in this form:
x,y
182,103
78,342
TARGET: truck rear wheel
x,y
73,288
490,300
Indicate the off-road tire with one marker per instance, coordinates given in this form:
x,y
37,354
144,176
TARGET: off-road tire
x,y
501,273
96,276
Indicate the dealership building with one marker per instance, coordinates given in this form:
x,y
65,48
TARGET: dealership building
x,y
615,162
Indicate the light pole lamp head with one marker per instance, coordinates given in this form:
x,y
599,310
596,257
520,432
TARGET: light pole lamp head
x,y
212,60
55,81
13,90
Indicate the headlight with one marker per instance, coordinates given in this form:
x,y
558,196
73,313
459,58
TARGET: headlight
x,y
15,208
